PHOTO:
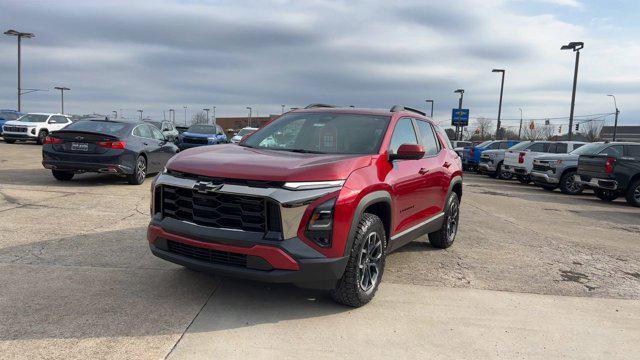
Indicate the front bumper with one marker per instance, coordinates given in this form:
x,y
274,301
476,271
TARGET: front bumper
x,y
545,178
18,136
596,183
486,167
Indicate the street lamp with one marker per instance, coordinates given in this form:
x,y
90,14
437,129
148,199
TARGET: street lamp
x,y
62,90
520,129
115,114
282,112
576,47
615,124
215,120
207,110
140,111
19,35
500,104
461,92
430,101
185,115
249,108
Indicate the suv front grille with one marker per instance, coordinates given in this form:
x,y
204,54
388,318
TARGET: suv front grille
x,y
217,210
207,255
14,128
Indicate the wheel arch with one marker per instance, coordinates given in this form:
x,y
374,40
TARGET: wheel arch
x,y
377,203
455,186
570,168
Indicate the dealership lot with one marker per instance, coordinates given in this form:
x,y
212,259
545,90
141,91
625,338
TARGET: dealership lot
x,y
532,274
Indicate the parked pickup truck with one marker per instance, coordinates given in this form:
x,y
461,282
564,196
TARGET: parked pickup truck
x,y
471,155
551,171
519,159
612,172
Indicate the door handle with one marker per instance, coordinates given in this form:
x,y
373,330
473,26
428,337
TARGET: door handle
x,y
446,164
423,171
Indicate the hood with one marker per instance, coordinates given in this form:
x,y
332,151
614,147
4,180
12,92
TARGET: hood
x,y
239,162
557,157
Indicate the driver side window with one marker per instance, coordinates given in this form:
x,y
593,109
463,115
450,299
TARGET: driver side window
x,y
404,133
156,133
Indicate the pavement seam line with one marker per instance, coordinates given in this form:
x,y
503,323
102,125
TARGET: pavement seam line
x,y
213,291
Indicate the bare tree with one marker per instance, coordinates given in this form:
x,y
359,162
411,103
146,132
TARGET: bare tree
x,y
483,128
592,130
535,133
199,118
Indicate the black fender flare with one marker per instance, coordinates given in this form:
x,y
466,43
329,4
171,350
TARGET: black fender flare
x,y
374,197
454,181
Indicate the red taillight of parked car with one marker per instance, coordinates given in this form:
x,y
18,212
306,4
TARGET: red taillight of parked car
x,y
52,140
521,158
608,166
112,144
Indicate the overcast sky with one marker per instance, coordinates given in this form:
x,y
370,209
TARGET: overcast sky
x,y
156,55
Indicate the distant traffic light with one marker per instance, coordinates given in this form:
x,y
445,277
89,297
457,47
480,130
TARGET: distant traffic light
x,y
532,125
577,127
546,121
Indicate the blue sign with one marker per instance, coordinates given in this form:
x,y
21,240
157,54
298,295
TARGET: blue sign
x,y
460,117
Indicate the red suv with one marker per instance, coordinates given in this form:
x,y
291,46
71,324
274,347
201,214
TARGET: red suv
x,y
317,197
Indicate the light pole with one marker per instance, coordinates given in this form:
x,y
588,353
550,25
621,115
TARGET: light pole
x,y
615,124
215,120
500,104
207,110
19,35
115,114
282,112
520,129
140,111
62,90
461,92
430,101
576,47
172,116
249,108
185,115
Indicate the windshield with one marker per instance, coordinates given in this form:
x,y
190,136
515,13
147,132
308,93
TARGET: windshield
x,y
326,133
34,118
483,144
202,129
244,132
521,146
8,115
589,149
102,127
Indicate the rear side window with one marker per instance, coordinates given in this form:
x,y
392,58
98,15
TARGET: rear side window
x,y
143,131
428,138
558,148
493,146
539,147
634,151
615,150
402,134
575,146
504,145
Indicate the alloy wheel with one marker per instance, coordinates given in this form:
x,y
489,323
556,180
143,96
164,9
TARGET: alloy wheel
x,y
636,194
452,221
142,169
369,262
572,185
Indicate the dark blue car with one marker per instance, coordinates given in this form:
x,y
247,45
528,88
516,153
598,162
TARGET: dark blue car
x,y
8,115
128,149
200,135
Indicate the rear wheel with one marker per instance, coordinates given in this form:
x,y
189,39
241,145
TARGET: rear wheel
x,y
633,193
41,136
9,141
606,195
62,175
568,184
444,237
524,179
503,174
365,266
139,172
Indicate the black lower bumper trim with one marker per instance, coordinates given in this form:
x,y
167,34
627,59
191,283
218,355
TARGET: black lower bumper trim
x,y
87,167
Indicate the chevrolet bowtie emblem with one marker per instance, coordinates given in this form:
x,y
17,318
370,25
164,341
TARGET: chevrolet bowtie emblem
x,y
205,187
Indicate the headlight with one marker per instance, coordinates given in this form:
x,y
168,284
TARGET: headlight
x,y
320,226
310,185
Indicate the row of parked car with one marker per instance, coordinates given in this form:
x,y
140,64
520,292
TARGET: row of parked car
x,y
131,149
610,169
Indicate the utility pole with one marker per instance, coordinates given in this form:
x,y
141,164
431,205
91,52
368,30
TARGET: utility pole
x,y
62,90
461,92
615,124
207,110
576,47
520,128
249,108
185,115
215,120
140,111
172,116
19,35
500,104
282,112
431,101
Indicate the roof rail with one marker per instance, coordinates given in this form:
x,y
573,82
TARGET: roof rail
x,y
397,108
313,106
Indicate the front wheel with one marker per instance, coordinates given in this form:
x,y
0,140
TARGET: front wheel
x,y
139,172
633,193
41,136
568,184
444,237
606,195
503,174
524,179
365,266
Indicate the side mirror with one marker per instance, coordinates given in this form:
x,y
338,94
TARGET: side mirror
x,y
408,152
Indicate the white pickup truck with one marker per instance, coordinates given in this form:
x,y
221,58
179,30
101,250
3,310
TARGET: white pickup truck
x,y
33,127
519,159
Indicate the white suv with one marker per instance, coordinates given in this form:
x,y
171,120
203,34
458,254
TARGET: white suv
x,y
33,126
519,158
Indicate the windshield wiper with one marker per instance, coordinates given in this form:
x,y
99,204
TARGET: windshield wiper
x,y
304,151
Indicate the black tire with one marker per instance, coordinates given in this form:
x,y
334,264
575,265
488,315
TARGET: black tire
x,y
503,174
606,195
568,185
139,171
9,141
444,237
354,288
548,187
524,179
633,193
62,175
41,136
